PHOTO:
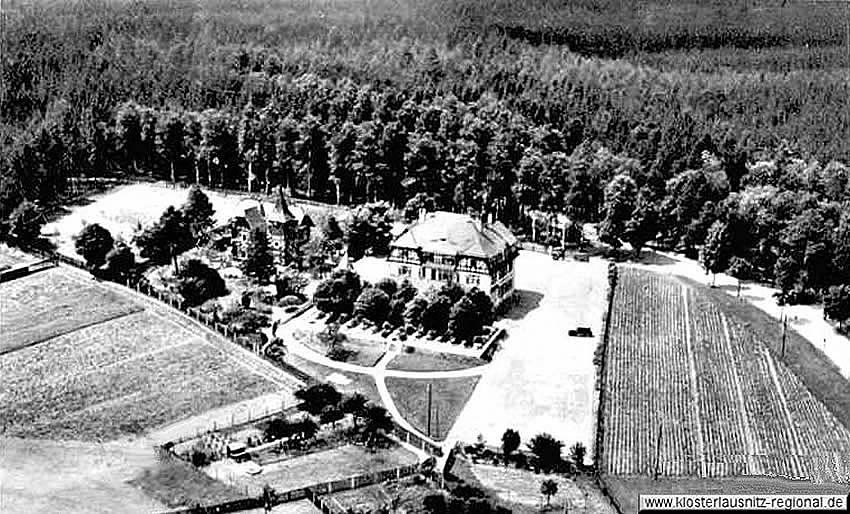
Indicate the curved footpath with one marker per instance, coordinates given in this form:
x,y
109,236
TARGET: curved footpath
x,y
379,373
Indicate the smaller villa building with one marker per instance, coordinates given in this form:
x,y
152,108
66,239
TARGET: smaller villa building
x,y
287,227
449,248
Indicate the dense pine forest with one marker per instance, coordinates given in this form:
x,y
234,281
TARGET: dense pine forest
x,y
720,128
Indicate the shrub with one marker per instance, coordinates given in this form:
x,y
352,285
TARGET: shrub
x,y
410,329
387,326
386,333
409,349
372,304
290,300
402,337
199,283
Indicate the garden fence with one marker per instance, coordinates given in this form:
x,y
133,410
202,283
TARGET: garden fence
x,y
316,493
28,269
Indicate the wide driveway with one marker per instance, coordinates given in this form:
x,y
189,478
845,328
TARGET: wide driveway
x,y
542,380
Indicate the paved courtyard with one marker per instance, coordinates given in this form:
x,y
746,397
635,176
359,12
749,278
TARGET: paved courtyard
x,y
542,380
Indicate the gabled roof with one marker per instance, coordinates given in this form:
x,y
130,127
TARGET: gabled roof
x,y
448,233
255,218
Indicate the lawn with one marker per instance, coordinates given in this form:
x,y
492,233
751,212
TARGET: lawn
x,y
335,464
448,397
409,495
51,303
345,382
117,378
360,352
426,360
521,490
177,483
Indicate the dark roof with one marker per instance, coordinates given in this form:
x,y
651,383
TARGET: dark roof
x,y
255,219
448,233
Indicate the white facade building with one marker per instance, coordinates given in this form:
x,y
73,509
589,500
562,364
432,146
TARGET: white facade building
x,y
448,248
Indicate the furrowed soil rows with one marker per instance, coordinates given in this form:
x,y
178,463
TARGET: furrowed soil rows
x,y
678,366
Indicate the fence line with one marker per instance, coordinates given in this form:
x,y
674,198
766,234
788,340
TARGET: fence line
x,y
315,492
25,270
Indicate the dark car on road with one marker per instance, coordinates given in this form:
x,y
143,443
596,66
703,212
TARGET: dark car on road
x,y
581,332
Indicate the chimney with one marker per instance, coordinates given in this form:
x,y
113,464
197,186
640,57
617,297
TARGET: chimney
x,y
489,218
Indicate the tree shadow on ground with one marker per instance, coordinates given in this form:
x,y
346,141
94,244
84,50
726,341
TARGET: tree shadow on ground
x,y
654,258
527,302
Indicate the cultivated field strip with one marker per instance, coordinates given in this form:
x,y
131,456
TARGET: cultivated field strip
x,y
753,415
647,328
118,376
130,395
45,305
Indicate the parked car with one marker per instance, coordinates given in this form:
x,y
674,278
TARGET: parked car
x,y
581,332
557,254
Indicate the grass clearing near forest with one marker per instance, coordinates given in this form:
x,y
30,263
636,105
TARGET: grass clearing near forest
x,y
448,398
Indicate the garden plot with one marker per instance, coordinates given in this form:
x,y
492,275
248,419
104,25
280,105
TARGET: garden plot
x,y
323,466
52,303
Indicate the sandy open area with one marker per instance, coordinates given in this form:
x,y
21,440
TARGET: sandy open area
x,y
542,380
73,477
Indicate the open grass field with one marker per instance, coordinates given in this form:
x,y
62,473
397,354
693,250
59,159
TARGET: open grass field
x,y
335,464
115,377
625,490
75,477
176,483
425,360
51,303
520,490
449,397
723,403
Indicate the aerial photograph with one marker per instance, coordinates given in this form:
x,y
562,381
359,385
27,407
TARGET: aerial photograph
x,y
424,256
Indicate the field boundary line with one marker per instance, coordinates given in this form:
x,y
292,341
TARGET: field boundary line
x,y
692,373
75,329
752,462
168,313
137,356
786,412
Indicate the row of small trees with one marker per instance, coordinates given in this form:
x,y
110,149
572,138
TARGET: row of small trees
x,y
448,309
324,402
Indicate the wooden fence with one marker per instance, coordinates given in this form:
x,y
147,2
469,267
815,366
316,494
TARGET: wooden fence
x,y
27,269
316,493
